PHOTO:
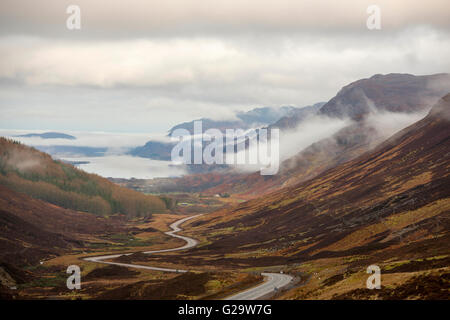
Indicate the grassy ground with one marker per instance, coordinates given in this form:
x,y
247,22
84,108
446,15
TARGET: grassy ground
x,y
99,281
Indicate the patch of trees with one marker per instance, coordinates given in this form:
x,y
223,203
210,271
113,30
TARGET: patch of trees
x,y
27,170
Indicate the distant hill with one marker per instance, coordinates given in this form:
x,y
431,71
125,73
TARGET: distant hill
x,y
255,118
154,150
48,135
296,116
27,170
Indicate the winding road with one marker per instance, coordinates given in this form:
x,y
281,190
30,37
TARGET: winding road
x,y
273,281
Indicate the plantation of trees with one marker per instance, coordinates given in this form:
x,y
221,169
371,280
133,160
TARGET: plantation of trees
x,y
27,170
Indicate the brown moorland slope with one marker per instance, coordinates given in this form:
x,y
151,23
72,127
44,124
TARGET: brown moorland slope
x,y
31,229
391,202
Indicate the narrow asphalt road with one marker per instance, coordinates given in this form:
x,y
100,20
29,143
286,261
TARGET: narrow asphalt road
x,y
273,281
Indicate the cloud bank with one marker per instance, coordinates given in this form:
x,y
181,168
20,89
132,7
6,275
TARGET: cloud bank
x,y
145,66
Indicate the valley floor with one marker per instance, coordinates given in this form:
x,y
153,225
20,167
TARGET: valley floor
x,y
421,273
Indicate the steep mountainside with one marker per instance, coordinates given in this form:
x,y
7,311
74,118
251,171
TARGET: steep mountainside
x,y
392,92
392,203
27,170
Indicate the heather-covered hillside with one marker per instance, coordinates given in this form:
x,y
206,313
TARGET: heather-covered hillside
x,y
388,207
27,170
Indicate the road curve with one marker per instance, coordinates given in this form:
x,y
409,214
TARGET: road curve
x,y
175,228
273,281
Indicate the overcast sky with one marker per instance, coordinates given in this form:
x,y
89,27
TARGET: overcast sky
x,y
143,66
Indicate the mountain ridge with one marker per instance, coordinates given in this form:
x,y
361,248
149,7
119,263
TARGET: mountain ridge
x,y
350,142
